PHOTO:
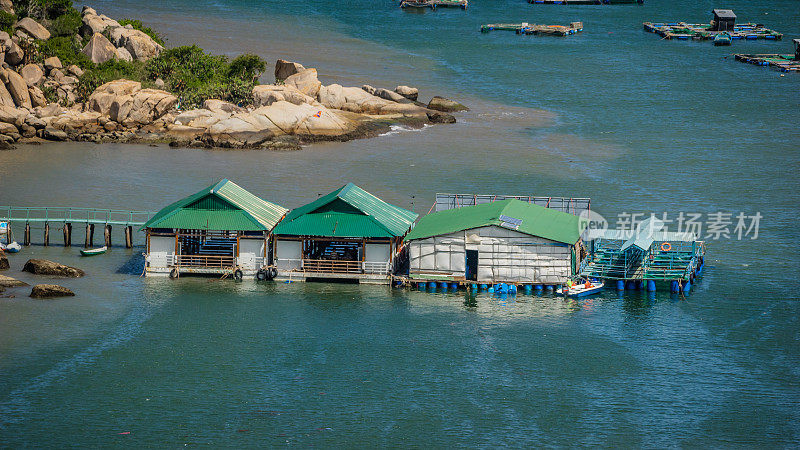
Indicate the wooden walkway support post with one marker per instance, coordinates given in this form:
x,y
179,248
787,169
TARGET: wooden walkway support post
x,y
128,236
107,235
26,239
89,241
67,234
46,234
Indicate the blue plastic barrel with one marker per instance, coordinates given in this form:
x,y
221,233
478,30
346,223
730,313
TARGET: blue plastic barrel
x,y
687,287
454,286
651,286
528,288
491,289
483,287
432,284
620,285
473,287
443,284
538,287
674,286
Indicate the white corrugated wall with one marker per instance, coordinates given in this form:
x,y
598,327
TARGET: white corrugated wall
x,y
503,255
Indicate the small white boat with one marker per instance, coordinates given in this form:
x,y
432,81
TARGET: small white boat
x,y
583,289
13,247
94,251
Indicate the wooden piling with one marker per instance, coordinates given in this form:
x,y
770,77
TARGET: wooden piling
x,y
128,236
107,235
89,241
67,234
26,239
46,234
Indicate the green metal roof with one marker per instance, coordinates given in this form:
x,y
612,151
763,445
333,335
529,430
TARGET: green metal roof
x,y
347,212
221,206
535,220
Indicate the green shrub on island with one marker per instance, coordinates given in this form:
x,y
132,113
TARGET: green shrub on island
x,y
138,25
7,21
67,24
195,76
66,48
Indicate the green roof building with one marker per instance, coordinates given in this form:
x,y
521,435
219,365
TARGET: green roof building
x,y
219,229
348,233
504,241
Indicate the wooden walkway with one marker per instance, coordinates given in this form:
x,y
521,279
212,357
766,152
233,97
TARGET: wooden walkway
x,y
65,217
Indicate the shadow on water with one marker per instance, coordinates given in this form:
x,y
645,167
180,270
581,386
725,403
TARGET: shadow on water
x,y
134,265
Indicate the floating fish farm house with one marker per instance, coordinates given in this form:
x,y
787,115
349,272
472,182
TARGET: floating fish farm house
x,y
223,229
724,22
348,234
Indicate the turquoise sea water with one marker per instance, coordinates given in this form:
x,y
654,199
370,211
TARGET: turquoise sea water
x,y
635,123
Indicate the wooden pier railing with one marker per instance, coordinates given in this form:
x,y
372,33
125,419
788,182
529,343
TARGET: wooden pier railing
x,y
97,216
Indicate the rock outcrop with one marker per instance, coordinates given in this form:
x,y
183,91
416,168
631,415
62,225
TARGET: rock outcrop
x,y
45,267
267,94
17,87
11,282
284,69
304,81
128,43
32,74
408,92
50,291
99,49
446,105
124,101
33,29
4,263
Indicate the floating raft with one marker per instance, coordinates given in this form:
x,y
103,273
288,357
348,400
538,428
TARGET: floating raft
x,y
703,32
585,2
785,63
433,4
526,28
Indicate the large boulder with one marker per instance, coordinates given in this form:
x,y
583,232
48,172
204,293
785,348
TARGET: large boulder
x,y
143,107
304,81
7,6
267,94
99,49
213,104
5,97
32,74
13,52
124,55
305,119
140,46
33,29
71,121
408,92
45,267
54,63
11,282
445,105
102,97
200,118
284,69
37,96
50,291
9,114
94,23
351,99
17,87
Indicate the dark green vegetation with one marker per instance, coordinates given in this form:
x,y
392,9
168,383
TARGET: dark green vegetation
x,y
188,72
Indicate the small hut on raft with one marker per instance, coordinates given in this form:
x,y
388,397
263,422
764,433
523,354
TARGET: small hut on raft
x,y
348,234
220,229
508,241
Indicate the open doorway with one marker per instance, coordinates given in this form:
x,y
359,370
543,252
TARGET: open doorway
x,y
472,265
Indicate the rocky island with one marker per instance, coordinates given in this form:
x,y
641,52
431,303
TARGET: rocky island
x,y
86,77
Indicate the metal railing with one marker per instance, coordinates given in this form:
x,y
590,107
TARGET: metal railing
x,y
331,266
204,261
74,215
